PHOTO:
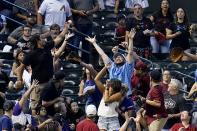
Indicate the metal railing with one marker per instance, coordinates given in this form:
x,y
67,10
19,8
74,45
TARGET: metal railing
x,y
17,6
13,20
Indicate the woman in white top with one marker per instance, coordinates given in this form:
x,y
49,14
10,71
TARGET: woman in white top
x,y
112,93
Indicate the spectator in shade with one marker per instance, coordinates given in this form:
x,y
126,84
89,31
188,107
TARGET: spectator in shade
x,y
18,32
179,32
166,80
18,112
87,85
52,91
125,109
120,30
174,103
156,115
89,124
75,114
23,42
54,12
140,80
41,61
112,93
121,68
185,123
60,116
83,11
41,116
19,56
6,120
161,19
143,27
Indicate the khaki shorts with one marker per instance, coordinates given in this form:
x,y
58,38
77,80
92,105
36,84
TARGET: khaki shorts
x,y
157,125
35,95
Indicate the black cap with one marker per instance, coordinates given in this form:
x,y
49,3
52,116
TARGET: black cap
x,y
121,16
156,75
8,105
59,75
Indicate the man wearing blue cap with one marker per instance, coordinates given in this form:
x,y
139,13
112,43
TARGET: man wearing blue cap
x,y
121,68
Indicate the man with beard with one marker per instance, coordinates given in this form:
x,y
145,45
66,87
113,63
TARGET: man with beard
x,y
23,42
143,26
18,32
51,94
41,61
121,68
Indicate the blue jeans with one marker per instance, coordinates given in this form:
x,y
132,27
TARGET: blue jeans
x,y
162,47
86,29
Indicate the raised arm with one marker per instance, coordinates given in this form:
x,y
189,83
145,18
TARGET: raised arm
x,y
104,56
193,90
62,48
60,37
193,57
19,71
39,19
98,77
93,72
27,93
130,48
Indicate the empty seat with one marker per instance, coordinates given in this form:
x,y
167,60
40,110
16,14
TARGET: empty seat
x,y
192,66
67,91
111,16
109,33
111,25
95,24
174,66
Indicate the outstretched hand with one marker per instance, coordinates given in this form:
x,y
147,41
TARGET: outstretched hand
x,y
35,83
91,40
68,36
132,33
115,49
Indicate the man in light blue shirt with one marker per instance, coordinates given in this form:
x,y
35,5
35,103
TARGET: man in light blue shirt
x,y
122,68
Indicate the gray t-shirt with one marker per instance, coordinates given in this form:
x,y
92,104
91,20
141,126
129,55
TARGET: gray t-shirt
x,y
85,5
36,29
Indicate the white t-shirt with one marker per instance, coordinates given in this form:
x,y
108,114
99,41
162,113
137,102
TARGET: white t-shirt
x,y
55,12
110,3
107,110
131,3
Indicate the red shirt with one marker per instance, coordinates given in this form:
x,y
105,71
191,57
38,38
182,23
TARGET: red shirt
x,y
165,87
87,125
140,84
153,112
178,126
